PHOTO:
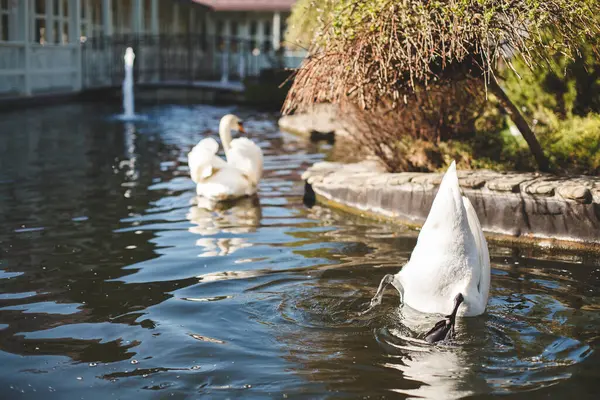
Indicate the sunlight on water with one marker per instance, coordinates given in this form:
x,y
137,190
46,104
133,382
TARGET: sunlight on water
x,y
116,281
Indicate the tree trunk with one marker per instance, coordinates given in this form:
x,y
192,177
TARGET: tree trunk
x,y
516,116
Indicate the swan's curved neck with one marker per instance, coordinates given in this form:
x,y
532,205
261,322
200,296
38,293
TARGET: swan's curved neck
x,y
225,128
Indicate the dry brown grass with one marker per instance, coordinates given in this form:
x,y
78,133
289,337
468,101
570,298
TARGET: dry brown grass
x,y
405,138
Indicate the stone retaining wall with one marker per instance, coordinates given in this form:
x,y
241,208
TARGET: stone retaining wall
x,y
542,207
323,119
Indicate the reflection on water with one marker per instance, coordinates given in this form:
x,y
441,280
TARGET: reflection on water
x,y
222,226
116,281
441,372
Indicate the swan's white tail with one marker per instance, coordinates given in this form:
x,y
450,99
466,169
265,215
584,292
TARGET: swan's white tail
x,y
203,160
447,212
445,233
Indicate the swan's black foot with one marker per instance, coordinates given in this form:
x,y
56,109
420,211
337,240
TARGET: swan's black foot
x,y
444,329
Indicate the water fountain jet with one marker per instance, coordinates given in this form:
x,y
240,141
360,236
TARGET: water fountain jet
x,y
128,104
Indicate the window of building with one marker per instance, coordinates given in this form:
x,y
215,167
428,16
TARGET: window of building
x,y
50,25
233,34
253,31
97,28
199,24
114,9
123,17
220,31
267,45
184,19
165,20
147,10
91,19
60,33
39,22
4,20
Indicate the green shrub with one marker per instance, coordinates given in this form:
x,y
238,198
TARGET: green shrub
x,y
562,99
574,144
308,17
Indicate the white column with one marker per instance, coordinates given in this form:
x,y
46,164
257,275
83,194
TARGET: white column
x,y
23,34
225,54
260,34
50,34
137,15
154,26
74,21
260,39
243,46
75,38
107,17
13,23
276,33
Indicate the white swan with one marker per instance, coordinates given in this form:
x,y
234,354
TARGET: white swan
x,y
449,269
219,180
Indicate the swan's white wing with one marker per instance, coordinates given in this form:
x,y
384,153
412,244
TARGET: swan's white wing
x,y
203,160
482,248
246,156
225,184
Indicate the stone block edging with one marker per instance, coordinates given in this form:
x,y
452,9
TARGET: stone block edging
x,y
542,208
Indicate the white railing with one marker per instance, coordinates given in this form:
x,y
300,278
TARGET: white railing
x,y
12,68
34,69
31,69
179,58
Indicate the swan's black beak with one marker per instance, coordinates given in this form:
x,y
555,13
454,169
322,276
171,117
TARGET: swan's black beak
x,y
241,127
444,329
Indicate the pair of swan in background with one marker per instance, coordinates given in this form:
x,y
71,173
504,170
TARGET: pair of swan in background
x,y
238,176
449,268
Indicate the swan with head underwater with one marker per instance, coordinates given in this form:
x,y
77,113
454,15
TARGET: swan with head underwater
x,y
237,176
449,268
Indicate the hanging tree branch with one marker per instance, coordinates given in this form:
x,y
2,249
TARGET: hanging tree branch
x,y
374,53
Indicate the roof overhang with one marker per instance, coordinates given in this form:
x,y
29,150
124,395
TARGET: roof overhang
x,y
247,5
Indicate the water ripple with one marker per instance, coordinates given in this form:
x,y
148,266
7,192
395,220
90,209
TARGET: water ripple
x,y
114,276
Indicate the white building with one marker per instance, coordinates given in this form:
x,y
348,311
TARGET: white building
x,y
41,41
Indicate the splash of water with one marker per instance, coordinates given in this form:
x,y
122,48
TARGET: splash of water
x,y
128,108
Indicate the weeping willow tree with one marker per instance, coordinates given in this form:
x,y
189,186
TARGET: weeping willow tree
x,y
375,54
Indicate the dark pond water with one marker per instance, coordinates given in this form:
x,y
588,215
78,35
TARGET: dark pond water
x,y
113,284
